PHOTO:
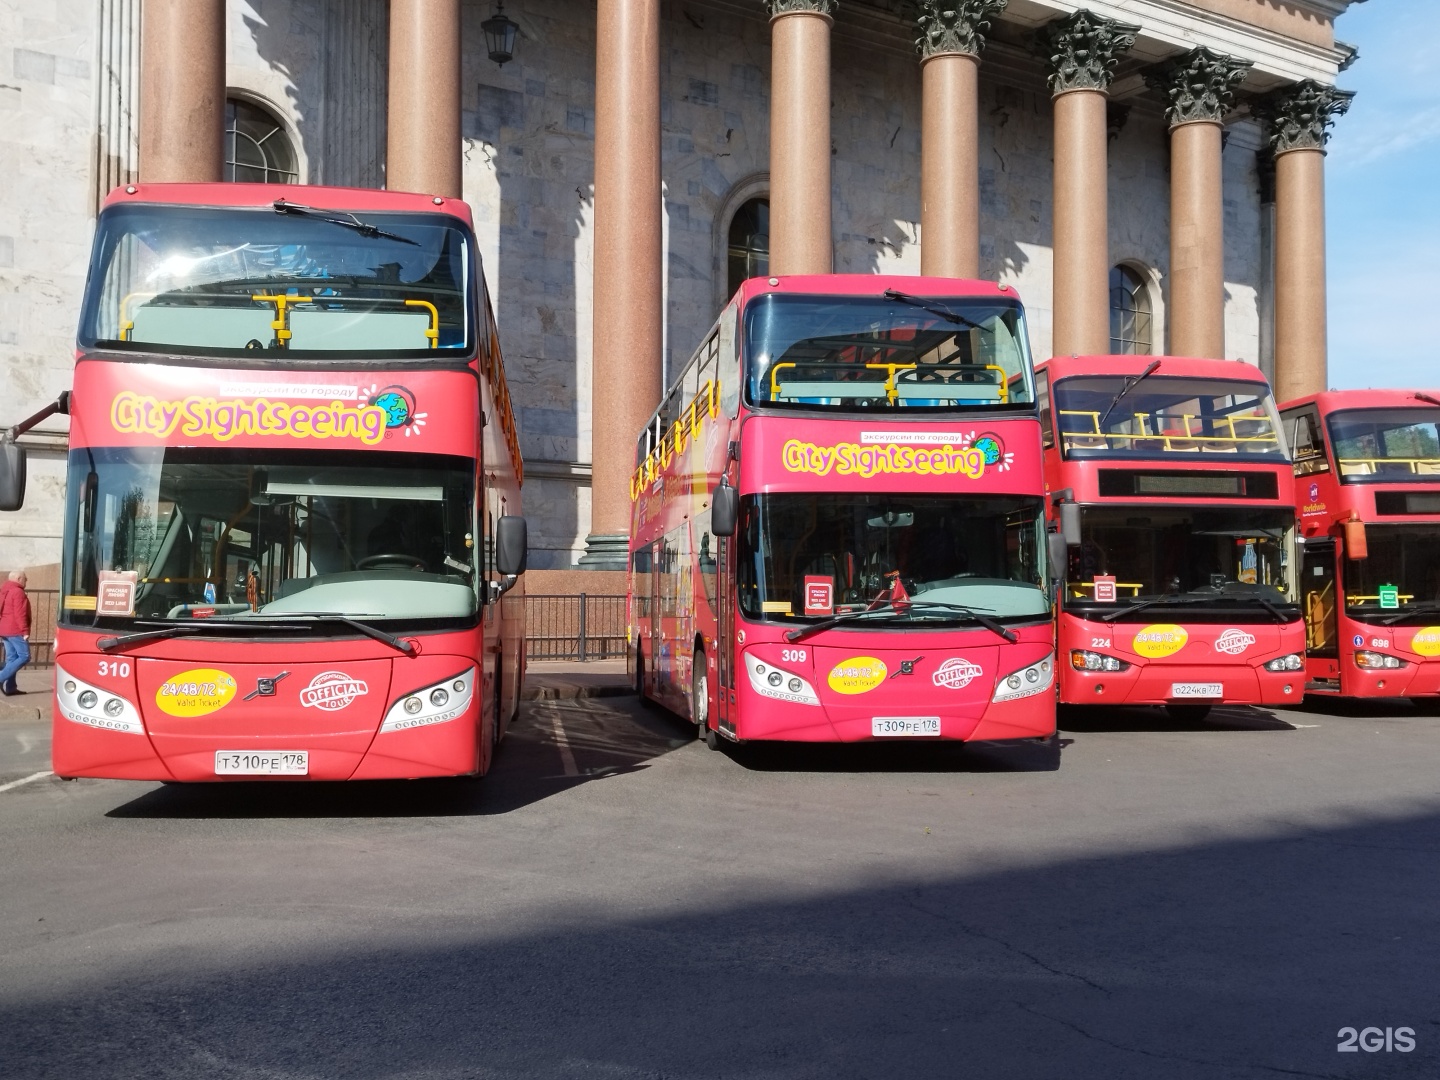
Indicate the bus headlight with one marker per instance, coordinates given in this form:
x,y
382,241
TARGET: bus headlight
x,y
1373,661
1085,660
81,703
434,704
777,683
1026,682
1293,662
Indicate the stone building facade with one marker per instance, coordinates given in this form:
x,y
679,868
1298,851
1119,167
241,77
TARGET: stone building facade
x,y
530,139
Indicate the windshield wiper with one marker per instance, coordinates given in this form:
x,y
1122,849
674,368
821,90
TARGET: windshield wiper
x,y
1191,598
932,309
110,644
350,221
398,644
993,625
1414,609
1429,399
1130,384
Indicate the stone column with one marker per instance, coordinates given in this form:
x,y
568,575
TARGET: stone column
x,y
182,91
627,265
1199,88
1082,50
1299,119
800,241
422,151
952,34
1265,175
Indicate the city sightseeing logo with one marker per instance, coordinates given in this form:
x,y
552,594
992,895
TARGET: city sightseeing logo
x,y
879,454
1234,642
332,690
955,673
398,404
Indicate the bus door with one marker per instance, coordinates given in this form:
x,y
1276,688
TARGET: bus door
x,y
725,643
1318,598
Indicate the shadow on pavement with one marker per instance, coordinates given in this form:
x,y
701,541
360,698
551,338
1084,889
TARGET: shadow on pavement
x,y
913,756
1401,709
1238,958
552,747
1093,719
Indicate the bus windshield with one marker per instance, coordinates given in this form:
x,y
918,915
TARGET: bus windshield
x,y
232,282
1154,554
982,553
1380,445
1401,574
849,352
215,534
1164,416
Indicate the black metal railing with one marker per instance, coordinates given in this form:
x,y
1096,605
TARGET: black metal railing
x,y
576,627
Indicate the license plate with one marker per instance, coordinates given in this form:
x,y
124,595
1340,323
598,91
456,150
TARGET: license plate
x,y
1197,689
262,762
882,726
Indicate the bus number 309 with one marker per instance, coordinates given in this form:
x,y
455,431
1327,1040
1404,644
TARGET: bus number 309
x,y
792,656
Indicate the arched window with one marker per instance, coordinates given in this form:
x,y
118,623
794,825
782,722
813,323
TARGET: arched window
x,y
257,149
749,243
1131,318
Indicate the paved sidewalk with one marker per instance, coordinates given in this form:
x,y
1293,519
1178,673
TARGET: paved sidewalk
x,y
34,703
551,680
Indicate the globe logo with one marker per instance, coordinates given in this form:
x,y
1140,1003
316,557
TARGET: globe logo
x,y
991,447
398,403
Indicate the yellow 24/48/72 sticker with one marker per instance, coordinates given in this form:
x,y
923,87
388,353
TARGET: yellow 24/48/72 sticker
x,y
1426,641
1160,639
857,675
197,692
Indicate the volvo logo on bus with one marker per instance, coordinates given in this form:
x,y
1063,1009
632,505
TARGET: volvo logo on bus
x,y
331,690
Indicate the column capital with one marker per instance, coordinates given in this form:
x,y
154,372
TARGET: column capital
x,y
776,8
1082,50
954,26
1198,85
1299,117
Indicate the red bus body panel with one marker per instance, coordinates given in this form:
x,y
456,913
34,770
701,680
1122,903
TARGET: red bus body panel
x,y
1325,504
1190,649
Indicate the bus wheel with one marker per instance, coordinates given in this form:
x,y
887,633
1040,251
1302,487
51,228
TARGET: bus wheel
x,y
712,738
1188,714
640,675
700,695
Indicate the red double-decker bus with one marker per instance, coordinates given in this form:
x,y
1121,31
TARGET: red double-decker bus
x,y
1173,488
292,507
1367,478
839,529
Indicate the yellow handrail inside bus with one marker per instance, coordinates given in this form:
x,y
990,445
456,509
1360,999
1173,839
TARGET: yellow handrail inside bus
x,y
434,332
281,323
685,429
891,393
1370,466
1352,598
127,324
1168,439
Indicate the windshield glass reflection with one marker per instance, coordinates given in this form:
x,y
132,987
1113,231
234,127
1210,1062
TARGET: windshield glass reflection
x,y
805,556
204,534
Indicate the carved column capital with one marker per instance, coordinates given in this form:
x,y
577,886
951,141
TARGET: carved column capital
x,y
1082,50
1299,117
776,8
954,26
1198,85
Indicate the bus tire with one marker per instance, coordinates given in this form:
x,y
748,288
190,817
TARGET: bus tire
x,y
700,695
712,738
1188,714
640,675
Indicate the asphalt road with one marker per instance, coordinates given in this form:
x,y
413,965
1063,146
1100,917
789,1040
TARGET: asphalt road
x,y
617,901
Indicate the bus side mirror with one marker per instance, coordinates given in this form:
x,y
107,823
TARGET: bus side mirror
x,y
1356,546
724,510
1070,523
12,476
511,545
1059,555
